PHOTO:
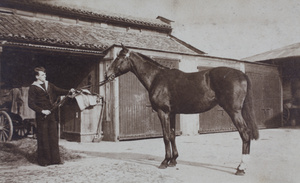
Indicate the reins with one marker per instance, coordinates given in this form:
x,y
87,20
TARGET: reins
x,y
101,83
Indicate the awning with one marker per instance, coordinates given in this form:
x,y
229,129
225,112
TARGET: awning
x,y
284,52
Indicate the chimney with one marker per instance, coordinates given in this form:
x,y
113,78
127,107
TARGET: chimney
x,y
163,19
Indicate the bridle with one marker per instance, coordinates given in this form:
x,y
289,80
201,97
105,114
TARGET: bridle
x,y
124,58
113,76
132,66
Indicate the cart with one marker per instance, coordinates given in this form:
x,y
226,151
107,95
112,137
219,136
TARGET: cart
x,y
6,126
12,124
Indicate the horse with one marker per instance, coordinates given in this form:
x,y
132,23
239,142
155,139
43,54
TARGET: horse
x,y
172,92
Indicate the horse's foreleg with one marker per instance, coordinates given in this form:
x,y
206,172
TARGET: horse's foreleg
x,y
165,123
173,161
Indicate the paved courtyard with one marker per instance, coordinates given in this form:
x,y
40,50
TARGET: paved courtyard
x,y
209,158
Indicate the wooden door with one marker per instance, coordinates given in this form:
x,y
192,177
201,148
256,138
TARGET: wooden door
x,y
214,120
137,119
257,81
273,102
267,95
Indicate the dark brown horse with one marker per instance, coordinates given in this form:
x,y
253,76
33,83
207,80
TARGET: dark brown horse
x,y
172,92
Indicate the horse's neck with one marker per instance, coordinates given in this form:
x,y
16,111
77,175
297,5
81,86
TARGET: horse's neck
x,y
145,72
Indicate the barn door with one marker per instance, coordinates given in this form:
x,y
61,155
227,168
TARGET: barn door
x,y
137,119
257,81
267,98
214,120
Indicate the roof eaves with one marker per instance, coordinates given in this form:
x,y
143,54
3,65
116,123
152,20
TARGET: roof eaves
x,y
51,42
31,46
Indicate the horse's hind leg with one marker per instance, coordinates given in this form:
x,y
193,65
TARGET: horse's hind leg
x,y
244,132
173,161
165,123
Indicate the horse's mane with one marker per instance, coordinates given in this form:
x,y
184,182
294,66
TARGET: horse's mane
x,y
148,59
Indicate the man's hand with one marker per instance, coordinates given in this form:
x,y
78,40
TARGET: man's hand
x,y
46,112
72,90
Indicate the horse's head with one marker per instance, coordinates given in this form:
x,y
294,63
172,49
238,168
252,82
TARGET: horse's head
x,y
119,66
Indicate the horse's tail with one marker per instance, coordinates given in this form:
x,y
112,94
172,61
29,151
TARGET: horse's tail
x,y
248,112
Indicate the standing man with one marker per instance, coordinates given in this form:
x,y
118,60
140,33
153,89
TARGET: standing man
x,y
41,97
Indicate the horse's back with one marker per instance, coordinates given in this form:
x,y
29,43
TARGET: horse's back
x,y
225,78
226,74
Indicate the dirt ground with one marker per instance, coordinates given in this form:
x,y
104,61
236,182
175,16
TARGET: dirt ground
x,y
209,158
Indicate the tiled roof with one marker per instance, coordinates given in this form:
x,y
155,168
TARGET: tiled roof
x,y
15,28
43,7
284,52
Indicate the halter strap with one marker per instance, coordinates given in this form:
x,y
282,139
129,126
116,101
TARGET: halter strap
x,y
130,62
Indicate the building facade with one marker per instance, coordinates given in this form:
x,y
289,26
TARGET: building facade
x,y
76,47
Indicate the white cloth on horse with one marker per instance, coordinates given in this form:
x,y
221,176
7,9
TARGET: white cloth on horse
x,y
85,99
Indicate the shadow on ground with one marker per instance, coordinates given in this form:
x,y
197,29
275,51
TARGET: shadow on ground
x,y
155,161
23,151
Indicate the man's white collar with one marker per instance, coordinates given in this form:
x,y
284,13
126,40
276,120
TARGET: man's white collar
x,y
38,84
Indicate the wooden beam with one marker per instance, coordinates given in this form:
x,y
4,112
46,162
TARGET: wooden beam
x,y
1,50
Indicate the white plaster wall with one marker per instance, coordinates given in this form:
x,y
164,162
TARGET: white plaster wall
x,y
189,123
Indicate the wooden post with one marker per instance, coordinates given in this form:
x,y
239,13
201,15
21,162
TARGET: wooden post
x,y
108,126
111,97
1,50
101,77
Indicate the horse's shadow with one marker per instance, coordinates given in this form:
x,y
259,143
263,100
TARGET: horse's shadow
x,y
155,160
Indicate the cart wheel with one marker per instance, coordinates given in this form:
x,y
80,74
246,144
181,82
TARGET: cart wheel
x,y
285,115
20,128
6,127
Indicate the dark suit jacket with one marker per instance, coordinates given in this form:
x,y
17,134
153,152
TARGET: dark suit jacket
x,y
39,99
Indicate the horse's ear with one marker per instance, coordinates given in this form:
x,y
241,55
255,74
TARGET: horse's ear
x,y
123,46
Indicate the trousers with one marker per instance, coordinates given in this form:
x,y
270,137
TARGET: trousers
x,y
47,141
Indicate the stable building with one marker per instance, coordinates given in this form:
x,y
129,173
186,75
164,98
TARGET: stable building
x,y
287,59
76,46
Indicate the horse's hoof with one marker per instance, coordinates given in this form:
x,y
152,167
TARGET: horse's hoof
x,y
240,172
162,166
172,164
